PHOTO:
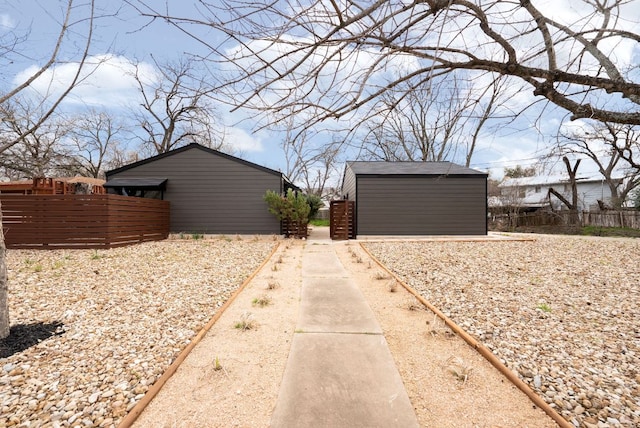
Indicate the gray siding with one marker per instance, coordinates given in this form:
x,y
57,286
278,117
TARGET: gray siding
x,y
210,193
349,183
421,205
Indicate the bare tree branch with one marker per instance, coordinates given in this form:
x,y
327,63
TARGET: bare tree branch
x,y
332,61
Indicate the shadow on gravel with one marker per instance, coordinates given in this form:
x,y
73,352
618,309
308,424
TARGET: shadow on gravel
x,y
24,336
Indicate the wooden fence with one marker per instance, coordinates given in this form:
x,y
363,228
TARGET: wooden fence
x,y
342,222
82,221
626,218
612,219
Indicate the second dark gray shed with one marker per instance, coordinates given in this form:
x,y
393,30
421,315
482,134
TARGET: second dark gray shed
x,y
209,191
416,198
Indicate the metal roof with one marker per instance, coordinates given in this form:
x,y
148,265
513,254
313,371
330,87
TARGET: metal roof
x,y
410,168
138,183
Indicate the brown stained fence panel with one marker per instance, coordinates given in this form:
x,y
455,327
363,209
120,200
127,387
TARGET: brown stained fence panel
x,y
82,221
342,220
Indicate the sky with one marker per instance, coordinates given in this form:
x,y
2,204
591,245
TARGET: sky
x,y
126,38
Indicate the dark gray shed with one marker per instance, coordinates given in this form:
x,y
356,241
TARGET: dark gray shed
x,y
416,198
209,191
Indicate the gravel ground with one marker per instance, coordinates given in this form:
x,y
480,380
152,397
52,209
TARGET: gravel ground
x,y
109,323
562,312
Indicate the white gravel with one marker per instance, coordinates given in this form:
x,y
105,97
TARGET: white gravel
x,y
126,314
562,312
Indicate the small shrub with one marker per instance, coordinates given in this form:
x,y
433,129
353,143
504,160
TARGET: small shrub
x,y
392,286
380,276
412,305
196,236
261,301
459,369
216,364
272,285
95,255
544,307
246,322
37,268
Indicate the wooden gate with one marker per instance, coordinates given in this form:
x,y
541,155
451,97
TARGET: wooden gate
x,y
342,223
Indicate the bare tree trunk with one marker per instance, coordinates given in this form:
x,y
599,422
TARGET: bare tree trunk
x,y
4,301
574,217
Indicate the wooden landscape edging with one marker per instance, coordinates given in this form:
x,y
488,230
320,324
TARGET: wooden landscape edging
x,y
481,349
82,221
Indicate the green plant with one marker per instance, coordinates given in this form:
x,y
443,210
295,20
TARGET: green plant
x,y
319,222
197,236
544,307
95,255
37,268
315,203
292,207
29,261
261,301
216,364
58,264
246,322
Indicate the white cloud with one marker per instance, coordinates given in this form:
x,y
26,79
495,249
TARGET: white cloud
x,y
241,141
106,80
7,22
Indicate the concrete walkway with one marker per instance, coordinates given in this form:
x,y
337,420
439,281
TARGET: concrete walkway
x,y
340,372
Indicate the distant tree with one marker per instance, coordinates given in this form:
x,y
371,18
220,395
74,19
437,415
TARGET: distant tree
x,y
175,109
307,164
424,124
572,205
94,141
519,171
37,152
612,147
440,120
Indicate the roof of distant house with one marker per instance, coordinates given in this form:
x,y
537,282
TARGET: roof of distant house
x,y
410,168
550,179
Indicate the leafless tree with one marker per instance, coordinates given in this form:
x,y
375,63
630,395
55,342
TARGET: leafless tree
x,y
334,58
440,121
175,110
424,126
70,30
612,148
38,152
94,142
572,205
309,164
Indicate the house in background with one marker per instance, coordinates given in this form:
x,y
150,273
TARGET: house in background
x,y
416,198
530,193
209,191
